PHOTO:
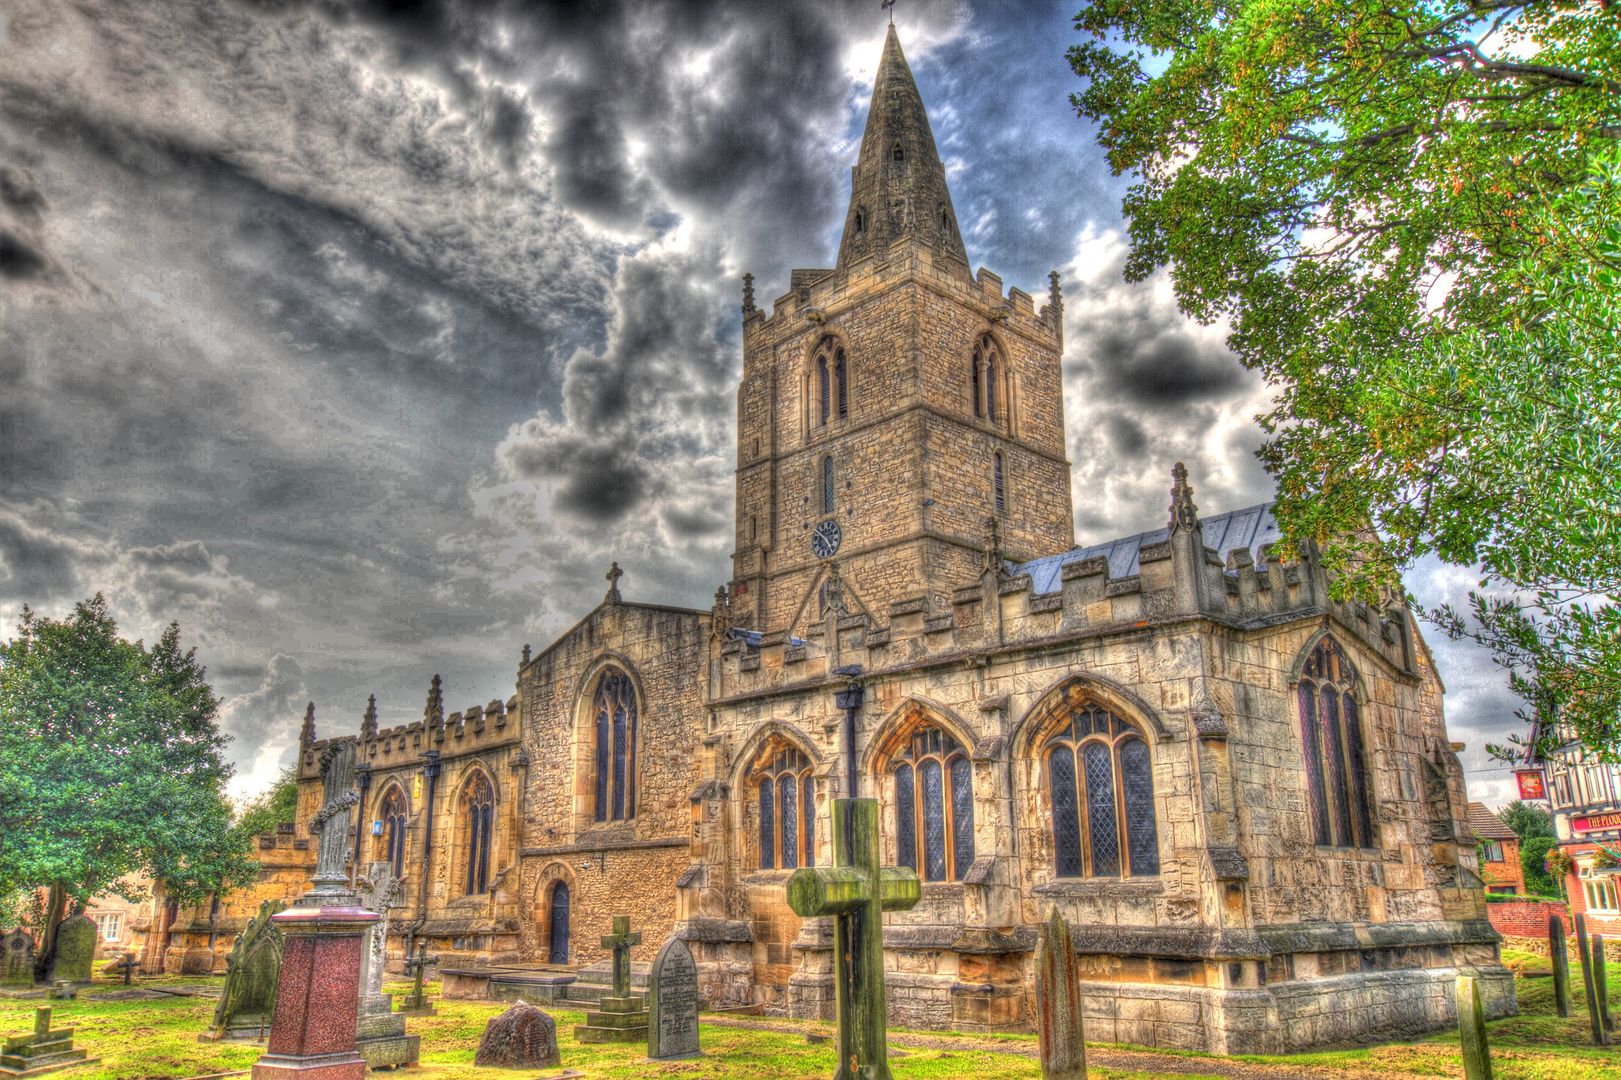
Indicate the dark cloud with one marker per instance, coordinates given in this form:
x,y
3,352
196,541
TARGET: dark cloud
x,y
19,259
1168,368
1126,435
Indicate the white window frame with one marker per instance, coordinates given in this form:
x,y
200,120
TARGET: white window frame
x,y
112,919
1599,892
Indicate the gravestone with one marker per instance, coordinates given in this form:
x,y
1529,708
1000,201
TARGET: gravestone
x,y
75,950
417,966
252,973
1477,1053
17,963
1601,984
1058,1005
1595,1018
43,1051
380,1032
622,1017
856,891
1560,962
523,1037
672,1004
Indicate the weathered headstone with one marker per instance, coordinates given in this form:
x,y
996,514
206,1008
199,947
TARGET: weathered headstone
x,y
622,1017
416,966
1058,1005
1600,1036
17,963
1601,984
380,1032
75,950
1477,1054
1560,961
672,1003
43,1051
252,973
523,1037
856,891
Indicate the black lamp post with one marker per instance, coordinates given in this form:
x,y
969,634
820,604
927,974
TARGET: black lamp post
x,y
849,699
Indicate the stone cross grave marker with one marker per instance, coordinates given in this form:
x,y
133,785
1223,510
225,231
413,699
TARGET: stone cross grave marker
x,y
856,891
1058,1005
1477,1054
620,941
619,1017
1600,1036
417,966
44,1051
1559,960
17,963
672,1003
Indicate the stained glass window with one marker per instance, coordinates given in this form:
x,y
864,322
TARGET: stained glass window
x,y
1103,816
1337,776
934,805
479,807
615,708
905,826
787,805
768,825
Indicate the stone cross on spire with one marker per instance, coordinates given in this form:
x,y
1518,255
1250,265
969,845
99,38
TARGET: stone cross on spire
x,y
613,575
1184,515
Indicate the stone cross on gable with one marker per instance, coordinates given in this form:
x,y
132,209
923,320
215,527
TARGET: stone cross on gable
x,y
620,942
856,891
613,575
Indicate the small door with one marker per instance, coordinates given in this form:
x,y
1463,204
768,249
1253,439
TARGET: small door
x,y
559,951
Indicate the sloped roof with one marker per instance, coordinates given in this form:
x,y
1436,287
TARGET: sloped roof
x,y
1487,825
1251,527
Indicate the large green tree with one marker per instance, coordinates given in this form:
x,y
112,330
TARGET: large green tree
x,y
110,765
1406,212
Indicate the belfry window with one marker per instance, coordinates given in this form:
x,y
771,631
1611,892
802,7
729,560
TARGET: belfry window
x,y
832,389
841,375
1336,762
828,498
478,808
787,809
393,836
861,220
614,713
997,484
1102,786
823,397
987,372
899,154
934,806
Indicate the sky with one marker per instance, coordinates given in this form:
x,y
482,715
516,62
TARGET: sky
x,y
360,336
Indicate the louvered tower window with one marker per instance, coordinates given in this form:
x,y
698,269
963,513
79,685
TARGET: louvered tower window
x,y
822,388
841,374
1102,786
997,484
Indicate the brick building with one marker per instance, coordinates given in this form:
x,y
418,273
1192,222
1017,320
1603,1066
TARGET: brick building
x,y
1240,791
1500,852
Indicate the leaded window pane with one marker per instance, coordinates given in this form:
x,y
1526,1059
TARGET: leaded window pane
x,y
1314,764
808,812
1142,833
768,837
604,756
1328,704
827,485
1066,812
484,848
934,821
619,765
962,817
905,820
472,847
1359,773
787,809
1102,831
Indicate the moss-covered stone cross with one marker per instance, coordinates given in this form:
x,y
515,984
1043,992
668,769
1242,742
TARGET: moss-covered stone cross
x,y
620,942
856,891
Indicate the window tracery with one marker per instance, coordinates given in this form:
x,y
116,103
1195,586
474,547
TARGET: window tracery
x,y
934,806
785,794
1336,759
393,835
1101,780
478,810
614,714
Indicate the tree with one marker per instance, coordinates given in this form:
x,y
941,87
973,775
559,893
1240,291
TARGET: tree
x,y
272,806
1405,210
110,765
1533,860
1527,820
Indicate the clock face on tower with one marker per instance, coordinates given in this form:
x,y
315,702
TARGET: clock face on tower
x,y
825,540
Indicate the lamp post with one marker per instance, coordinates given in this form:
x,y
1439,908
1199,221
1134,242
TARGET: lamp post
x,y
849,699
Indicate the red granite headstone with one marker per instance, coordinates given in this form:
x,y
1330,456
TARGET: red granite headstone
x,y
313,1034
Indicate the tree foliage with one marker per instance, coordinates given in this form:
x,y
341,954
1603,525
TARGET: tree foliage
x,y
1405,211
1527,820
1533,865
111,764
272,806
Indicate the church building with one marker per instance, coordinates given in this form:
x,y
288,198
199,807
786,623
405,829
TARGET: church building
x,y
1238,790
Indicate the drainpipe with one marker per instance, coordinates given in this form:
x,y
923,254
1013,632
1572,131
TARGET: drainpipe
x,y
363,781
849,699
430,769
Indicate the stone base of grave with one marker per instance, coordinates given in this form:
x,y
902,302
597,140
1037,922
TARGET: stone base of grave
x,y
341,1066
380,1035
245,1028
41,1053
425,1009
620,1020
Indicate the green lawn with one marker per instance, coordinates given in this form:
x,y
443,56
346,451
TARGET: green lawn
x,y
153,1039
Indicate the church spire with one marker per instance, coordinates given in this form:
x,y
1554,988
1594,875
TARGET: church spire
x,y
898,186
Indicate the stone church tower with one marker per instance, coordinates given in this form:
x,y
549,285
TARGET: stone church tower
x,y
890,406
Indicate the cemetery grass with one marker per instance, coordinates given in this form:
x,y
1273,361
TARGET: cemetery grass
x,y
157,1038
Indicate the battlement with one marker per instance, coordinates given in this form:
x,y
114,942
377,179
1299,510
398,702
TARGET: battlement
x,y
474,728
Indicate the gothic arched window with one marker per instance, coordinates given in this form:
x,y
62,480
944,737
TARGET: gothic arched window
x,y
934,806
787,809
393,835
614,711
1102,786
478,811
987,367
1336,761
827,485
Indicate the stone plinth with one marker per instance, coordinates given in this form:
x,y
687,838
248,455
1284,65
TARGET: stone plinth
x,y
380,1035
313,1034
616,1020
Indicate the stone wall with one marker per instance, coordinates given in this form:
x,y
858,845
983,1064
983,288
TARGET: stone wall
x,y
196,940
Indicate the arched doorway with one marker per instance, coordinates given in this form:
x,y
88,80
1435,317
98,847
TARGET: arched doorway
x,y
559,924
